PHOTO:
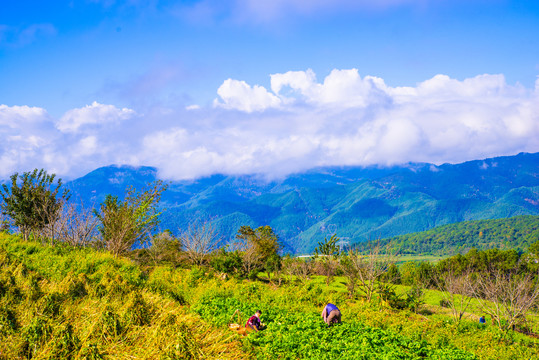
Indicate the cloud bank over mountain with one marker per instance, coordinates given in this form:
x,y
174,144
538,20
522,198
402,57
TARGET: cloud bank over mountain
x,y
294,123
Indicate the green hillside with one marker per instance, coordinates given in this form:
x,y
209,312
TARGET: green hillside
x,y
514,233
76,303
61,302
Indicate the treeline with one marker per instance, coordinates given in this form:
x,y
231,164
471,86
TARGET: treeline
x,y
513,233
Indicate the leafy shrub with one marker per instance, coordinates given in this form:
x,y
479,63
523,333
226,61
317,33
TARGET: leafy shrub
x,y
195,276
388,294
414,298
229,262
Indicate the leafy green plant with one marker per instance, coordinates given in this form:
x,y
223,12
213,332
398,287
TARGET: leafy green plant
x,y
326,253
415,297
35,203
126,222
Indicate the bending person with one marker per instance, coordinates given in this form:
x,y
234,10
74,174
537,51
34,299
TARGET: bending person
x,y
331,314
254,322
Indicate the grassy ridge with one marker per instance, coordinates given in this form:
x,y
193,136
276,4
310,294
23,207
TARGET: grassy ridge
x,y
65,303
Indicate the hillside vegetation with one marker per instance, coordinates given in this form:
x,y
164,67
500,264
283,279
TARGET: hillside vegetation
x,y
79,303
514,233
69,303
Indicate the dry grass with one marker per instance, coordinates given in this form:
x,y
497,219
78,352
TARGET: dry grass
x,y
69,319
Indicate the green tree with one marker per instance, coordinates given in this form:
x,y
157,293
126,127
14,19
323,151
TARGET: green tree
x,y
532,258
35,203
327,252
262,247
124,223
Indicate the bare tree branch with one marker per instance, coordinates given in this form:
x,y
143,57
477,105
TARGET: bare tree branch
x,y
371,266
199,240
507,297
457,291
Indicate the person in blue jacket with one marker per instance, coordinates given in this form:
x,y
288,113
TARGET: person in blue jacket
x,y
331,314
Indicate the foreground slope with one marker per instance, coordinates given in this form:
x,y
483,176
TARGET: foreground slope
x,y
68,303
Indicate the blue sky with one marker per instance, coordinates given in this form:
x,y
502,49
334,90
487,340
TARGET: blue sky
x,y
273,87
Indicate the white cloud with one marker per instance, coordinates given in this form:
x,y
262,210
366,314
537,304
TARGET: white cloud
x,y
26,132
95,114
299,81
13,116
241,96
296,124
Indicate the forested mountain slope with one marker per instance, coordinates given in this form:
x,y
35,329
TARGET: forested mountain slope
x,y
357,203
514,233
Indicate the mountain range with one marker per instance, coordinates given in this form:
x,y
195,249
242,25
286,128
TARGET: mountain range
x,y
356,203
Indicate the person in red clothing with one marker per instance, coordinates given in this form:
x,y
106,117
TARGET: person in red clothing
x,y
331,314
254,322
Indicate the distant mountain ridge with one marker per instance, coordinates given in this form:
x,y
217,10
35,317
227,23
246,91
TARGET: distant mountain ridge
x,y
355,202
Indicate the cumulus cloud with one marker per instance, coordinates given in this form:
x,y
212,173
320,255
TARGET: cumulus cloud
x,y
297,123
13,116
95,114
80,140
241,96
341,87
26,133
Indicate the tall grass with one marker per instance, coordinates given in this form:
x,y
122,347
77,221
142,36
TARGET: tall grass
x,y
70,303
